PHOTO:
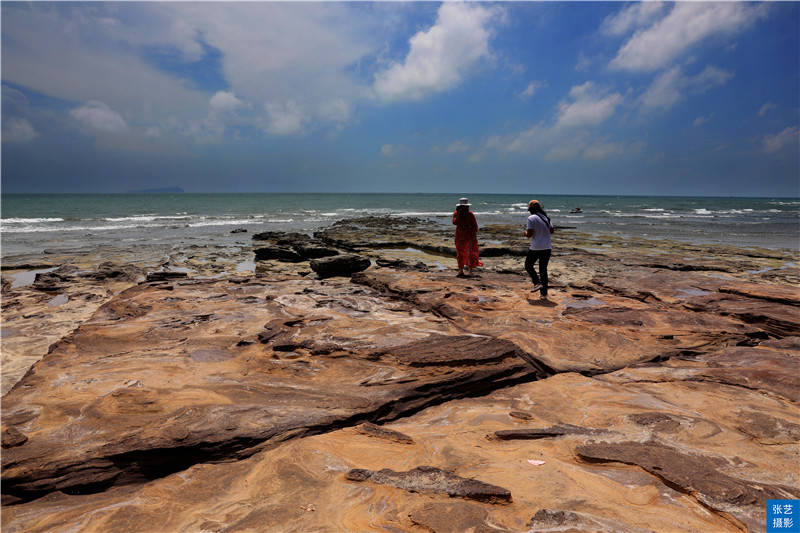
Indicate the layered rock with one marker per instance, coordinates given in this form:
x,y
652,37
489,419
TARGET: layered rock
x,y
655,390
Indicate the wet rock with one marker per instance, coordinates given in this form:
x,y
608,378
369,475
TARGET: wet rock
x,y
339,265
281,237
432,479
111,271
383,433
266,253
314,252
239,230
50,282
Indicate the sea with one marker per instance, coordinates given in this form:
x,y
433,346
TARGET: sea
x,y
34,223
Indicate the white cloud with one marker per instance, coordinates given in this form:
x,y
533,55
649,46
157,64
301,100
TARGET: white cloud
x,y
531,89
586,106
99,116
672,86
774,143
699,121
225,101
765,108
687,24
631,17
268,52
440,57
285,118
603,150
391,150
457,147
567,148
18,130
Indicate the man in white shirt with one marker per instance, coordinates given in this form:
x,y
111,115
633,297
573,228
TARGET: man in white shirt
x,y
538,230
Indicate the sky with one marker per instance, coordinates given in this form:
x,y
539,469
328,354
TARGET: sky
x,y
687,98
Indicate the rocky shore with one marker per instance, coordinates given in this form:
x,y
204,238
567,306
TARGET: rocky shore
x,y
348,381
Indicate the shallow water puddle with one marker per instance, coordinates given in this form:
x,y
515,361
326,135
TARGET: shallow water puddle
x,y
61,299
246,266
23,279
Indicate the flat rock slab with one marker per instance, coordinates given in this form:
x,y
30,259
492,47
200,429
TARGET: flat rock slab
x,y
567,333
432,479
159,380
699,475
301,484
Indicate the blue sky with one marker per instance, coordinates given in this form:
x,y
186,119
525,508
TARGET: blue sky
x,y
685,98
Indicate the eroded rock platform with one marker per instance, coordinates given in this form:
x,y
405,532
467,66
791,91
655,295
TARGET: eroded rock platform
x,y
647,394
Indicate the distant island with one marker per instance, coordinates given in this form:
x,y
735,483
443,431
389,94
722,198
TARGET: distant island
x,y
162,190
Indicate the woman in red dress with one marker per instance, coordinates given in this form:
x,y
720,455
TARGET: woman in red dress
x,y
466,237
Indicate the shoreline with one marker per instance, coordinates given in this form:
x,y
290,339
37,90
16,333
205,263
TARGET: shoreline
x,y
269,376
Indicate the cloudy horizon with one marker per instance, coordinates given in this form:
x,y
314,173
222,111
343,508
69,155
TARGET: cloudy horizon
x,y
684,98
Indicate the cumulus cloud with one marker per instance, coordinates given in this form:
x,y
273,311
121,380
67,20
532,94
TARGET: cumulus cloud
x,y
586,105
18,130
440,57
631,17
774,143
285,118
531,89
699,121
225,101
687,24
99,116
672,85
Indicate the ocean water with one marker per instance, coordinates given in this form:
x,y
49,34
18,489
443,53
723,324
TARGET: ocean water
x,y
35,223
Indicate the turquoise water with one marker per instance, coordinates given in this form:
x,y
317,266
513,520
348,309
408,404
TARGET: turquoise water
x,y
33,223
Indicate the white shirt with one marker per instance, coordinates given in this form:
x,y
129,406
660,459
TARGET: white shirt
x,y
541,232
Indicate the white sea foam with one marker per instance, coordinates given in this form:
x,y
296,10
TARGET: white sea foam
x,y
424,214
654,209
703,212
30,220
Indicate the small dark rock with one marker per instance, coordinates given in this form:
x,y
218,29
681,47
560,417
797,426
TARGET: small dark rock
x,y
546,517
314,252
432,479
339,265
281,237
276,252
522,415
239,230
383,433
541,433
13,437
165,276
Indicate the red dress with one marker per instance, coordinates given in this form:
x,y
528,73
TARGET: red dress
x,y
466,240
